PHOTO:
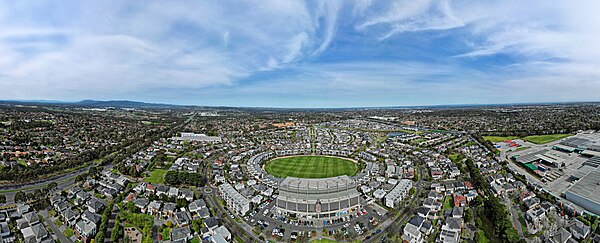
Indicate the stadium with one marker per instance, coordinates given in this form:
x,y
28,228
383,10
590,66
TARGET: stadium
x,y
324,198
310,186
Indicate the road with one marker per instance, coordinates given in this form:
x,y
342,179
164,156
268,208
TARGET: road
x,y
246,231
515,216
61,237
393,225
63,180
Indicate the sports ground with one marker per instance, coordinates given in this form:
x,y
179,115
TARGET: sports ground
x,y
311,167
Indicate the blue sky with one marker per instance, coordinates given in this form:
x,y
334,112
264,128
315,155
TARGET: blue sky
x,y
301,53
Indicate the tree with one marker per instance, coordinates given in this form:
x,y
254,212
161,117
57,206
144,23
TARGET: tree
x,y
20,196
468,214
2,198
412,191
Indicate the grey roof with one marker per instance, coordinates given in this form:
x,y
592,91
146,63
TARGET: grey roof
x,y
454,223
93,217
180,233
416,220
325,184
170,207
561,236
39,231
587,187
141,202
580,227
211,222
197,205
530,157
32,218
457,211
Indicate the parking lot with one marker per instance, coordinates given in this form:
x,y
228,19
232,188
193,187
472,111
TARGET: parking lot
x,y
556,180
359,221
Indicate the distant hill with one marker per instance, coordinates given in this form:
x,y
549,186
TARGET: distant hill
x,y
95,103
121,104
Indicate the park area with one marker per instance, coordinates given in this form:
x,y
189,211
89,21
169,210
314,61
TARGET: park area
x,y
537,139
156,177
543,139
311,167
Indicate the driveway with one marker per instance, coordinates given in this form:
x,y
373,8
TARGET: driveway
x,y
61,237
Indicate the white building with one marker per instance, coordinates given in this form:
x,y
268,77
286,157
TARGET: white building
x,y
398,193
235,201
188,136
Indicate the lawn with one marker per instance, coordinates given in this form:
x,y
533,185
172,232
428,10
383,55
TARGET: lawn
x,y
481,237
454,157
542,139
22,162
166,233
69,232
497,139
448,203
157,176
521,148
323,241
58,223
311,167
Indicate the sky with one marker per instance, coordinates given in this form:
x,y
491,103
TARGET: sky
x,y
301,53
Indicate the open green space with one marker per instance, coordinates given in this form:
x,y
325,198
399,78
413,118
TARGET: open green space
x,y
521,148
447,203
497,139
543,139
537,139
157,176
69,232
323,241
311,167
166,234
481,237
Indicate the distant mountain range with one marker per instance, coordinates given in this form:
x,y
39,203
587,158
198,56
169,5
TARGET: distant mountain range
x,y
94,103
122,104
139,105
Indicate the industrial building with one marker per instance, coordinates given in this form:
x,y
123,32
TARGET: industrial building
x,y
586,192
317,198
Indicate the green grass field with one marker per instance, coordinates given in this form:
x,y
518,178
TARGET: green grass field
x,y
497,139
69,232
157,176
324,240
542,139
311,167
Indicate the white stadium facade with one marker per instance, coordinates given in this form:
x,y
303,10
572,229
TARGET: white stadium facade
x,y
326,198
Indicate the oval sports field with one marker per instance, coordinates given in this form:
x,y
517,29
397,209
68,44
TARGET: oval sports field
x,y
311,167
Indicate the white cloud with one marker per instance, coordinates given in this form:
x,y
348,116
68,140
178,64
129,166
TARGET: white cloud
x,y
127,49
408,16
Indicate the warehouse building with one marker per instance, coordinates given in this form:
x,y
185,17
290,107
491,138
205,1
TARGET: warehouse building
x,y
586,192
